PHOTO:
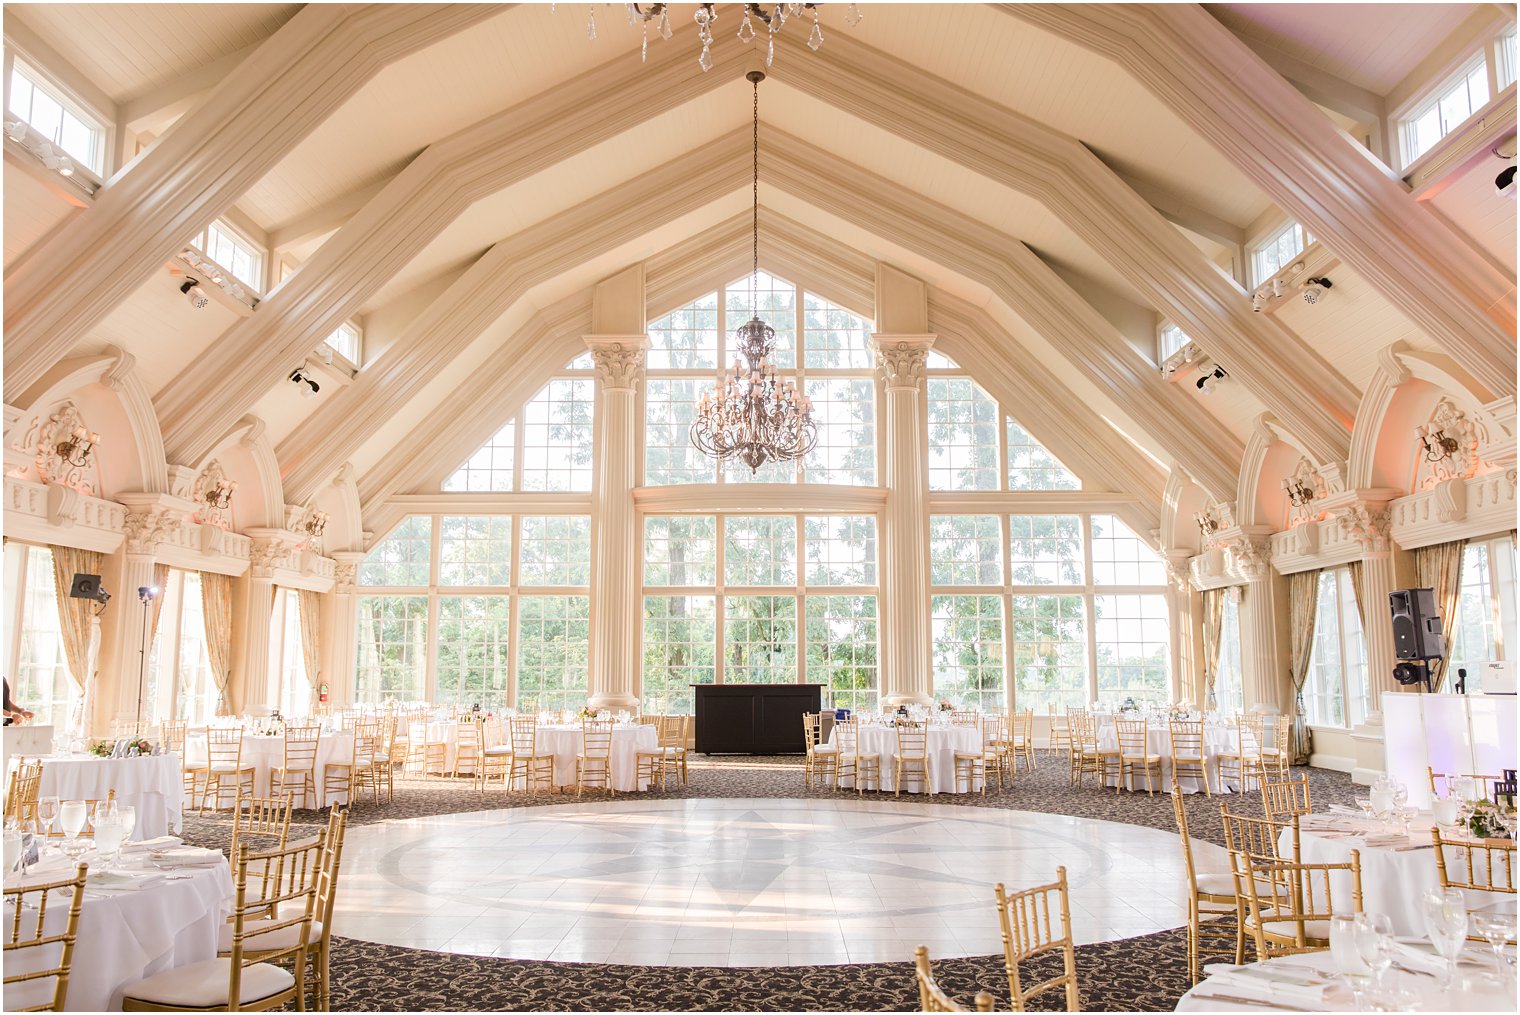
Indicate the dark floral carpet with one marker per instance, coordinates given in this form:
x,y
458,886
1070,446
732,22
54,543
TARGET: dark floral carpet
x,y
1135,974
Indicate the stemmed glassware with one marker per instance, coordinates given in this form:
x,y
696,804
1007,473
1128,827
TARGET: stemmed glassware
x,y
128,817
109,835
71,817
1445,911
1346,953
1496,929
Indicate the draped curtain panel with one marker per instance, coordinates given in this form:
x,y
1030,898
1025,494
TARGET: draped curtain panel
x,y
161,581
1213,621
311,605
1358,569
76,622
1439,567
1303,597
216,606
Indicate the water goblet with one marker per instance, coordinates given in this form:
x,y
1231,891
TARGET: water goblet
x,y
108,839
1445,912
1496,929
1374,940
71,817
1346,953
128,817
1444,811
47,813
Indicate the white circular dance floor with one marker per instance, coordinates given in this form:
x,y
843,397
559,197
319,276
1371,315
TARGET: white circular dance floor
x,y
757,882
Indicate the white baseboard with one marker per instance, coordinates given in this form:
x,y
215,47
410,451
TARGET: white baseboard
x,y
1333,762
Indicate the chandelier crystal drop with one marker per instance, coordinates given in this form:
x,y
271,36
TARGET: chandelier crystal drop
x,y
754,21
753,415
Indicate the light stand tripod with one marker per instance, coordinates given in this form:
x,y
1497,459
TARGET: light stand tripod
x,y
146,594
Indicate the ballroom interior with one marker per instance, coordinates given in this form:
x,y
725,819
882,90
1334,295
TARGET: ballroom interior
x,y
739,506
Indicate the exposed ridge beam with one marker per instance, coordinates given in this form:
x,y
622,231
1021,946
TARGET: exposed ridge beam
x,y
1025,284
1095,204
435,188
490,287
200,167
325,218
1436,277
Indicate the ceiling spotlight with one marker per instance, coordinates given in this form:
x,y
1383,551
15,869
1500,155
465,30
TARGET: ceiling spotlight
x,y
1210,380
195,294
1277,287
1258,300
309,387
1314,289
16,130
1504,183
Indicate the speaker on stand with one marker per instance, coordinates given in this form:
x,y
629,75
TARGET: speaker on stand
x,y
1417,640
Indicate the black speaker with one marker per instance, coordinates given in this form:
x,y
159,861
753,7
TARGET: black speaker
x,y
86,586
1416,624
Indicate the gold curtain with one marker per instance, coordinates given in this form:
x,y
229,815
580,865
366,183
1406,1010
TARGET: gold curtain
x,y
1439,567
1213,622
1358,569
216,608
75,623
311,604
1303,597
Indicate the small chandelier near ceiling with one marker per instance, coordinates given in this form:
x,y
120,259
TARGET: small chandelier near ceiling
x,y
755,20
752,415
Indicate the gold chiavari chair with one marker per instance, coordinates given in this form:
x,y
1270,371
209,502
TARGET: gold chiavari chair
x,y
855,766
1058,727
1187,754
319,941
822,760
1277,757
1283,798
1287,905
1213,909
1262,839
1134,749
297,773
172,732
267,817
22,790
1480,865
128,728
466,746
931,997
593,765
963,718
423,756
1021,739
673,738
269,925
344,780
389,754
1242,763
496,759
971,766
1440,783
535,770
1102,762
224,763
912,757
27,943
1075,718
1029,929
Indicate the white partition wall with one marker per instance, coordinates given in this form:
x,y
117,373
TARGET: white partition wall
x,y
1450,733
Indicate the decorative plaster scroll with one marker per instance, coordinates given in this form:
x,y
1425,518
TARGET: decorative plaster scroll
x,y
62,504
208,512
902,364
618,366
253,433
268,555
53,468
1450,499
115,375
144,530
1368,524
1453,424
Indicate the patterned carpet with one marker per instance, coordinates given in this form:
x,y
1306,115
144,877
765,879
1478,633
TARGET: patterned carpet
x,y
1136,974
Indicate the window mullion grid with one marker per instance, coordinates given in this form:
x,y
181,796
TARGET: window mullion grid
x,y
1090,608
720,590
799,525
435,557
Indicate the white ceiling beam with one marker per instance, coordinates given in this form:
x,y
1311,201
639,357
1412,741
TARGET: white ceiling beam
x,y
491,287
201,166
326,217
1060,172
1455,293
1179,210
1024,283
172,99
409,212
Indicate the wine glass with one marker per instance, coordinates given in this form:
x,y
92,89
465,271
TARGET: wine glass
x,y
1345,952
1374,940
103,810
1496,929
1445,912
128,818
71,817
108,839
47,813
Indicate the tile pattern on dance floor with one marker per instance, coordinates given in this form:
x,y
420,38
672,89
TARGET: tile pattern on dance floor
x,y
745,882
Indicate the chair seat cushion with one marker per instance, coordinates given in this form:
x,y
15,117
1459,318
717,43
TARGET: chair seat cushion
x,y
825,749
498,752
1217,884
226,769
285,937
1147,758
1188,759
204,985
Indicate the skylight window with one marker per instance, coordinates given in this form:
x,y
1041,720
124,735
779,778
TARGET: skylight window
x,y
346,342
1278,251
242,259
47,111
1172,341
1504,58
1451,105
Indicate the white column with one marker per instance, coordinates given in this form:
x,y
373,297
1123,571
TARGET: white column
x,y
1368,523
250,686
133,644
613,680
1265,683
339,647
907,676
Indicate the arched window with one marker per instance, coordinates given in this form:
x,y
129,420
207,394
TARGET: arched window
x,y
549,451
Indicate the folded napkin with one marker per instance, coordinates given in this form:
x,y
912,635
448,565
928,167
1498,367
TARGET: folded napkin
x,y
161,843
1386,841
187,856
1412,955
1294,988
123,880
1343,809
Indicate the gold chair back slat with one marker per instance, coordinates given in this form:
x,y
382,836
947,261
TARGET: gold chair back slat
x,y
1482,865
593,765
1282,798
21,793
1260,838
1030,929
1287,905
27,935
1440,782
267,817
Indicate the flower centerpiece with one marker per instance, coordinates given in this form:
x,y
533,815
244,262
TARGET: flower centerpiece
x,y
1484,821
945,705
102,748
586,712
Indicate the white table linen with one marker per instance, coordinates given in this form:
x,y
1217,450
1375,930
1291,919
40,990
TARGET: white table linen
x,y
447,733
564,743
126,935
1208,995
943,744
1395,875
150,785
1218,738
265,754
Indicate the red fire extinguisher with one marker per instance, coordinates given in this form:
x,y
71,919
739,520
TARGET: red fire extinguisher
x,y
322,692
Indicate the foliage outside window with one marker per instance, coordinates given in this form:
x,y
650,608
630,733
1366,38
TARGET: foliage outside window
x,y
1277,251
550,451
1229,679
178,681
287,664
1485,627
1335,689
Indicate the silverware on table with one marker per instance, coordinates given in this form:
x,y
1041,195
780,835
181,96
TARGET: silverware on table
x,y
1232,999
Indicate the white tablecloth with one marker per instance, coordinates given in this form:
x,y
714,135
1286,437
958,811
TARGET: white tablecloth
x,y
1218,738
943,743
127,935
564,742
265,754
151,785
1393,877
448,734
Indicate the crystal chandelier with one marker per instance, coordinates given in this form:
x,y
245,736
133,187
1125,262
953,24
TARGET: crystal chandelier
x,y
755,20
753,415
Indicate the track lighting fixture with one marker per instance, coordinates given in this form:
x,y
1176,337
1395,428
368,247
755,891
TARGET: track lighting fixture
x,y
309,386
1258,300
1210,380
195,294
1314,289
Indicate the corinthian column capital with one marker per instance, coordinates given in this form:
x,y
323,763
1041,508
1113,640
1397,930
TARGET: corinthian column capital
x,y
619,359
902,359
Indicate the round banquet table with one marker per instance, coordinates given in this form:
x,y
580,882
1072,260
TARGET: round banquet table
x,y
447,733
125,934
1396,870
1218,738
564,742
268,753
150,785
943,743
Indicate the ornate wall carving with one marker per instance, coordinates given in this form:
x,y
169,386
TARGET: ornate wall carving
x,y
206,491
1448,423
43,437
902,364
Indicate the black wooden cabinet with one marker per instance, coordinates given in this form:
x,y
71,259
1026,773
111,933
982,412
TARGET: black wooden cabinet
x,y
753,718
